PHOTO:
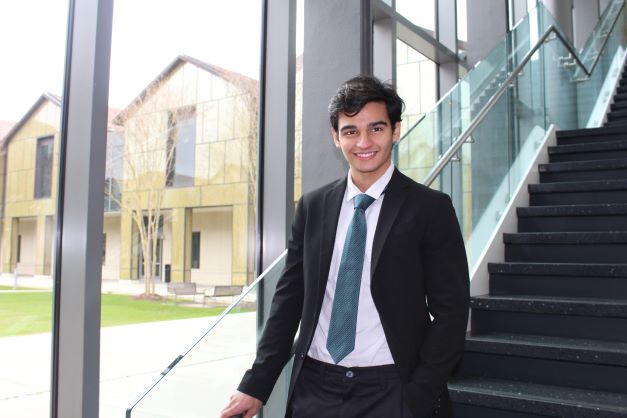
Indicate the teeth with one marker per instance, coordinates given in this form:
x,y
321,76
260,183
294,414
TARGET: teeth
x,y
365,154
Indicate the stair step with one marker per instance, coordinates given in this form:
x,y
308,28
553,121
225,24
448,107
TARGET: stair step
x,y
586,318
552,305
615,168
619,105
565,247
583,192
576,350
573,218
619,98
617,114
572,362
578,136
561,269
603,281
588,151
476,397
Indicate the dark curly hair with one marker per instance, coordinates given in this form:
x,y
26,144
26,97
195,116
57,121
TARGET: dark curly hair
x,y
357,92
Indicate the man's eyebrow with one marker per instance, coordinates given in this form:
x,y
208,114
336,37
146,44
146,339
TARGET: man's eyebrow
x,y
347,128
370,125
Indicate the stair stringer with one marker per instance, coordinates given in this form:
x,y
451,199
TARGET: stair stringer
x,y
494,251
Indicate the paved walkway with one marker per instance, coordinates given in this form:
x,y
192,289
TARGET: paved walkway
x,y
132,357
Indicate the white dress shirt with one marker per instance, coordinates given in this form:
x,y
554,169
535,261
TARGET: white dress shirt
x,y
371,347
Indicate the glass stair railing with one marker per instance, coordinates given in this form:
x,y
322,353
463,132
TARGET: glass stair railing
x,y
475,145
200,380
480,139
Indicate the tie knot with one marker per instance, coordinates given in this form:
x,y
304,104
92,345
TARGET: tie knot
x,y
362,201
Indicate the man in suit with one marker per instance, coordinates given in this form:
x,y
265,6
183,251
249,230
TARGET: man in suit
x,y
377,278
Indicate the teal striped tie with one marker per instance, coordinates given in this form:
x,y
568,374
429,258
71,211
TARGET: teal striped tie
x,y
343,324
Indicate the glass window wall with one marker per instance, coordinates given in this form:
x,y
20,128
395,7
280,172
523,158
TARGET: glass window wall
x,y
420,13
181,182
31,81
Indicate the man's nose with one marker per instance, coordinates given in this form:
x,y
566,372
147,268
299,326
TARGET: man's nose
x,y
364,140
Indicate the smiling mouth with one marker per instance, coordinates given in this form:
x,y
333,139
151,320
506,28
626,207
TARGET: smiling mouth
x,y
365,155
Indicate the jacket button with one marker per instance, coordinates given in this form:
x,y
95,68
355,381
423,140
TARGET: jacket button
x,y
301,356
349,374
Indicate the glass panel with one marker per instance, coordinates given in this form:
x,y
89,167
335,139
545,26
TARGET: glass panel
x,y
202,378
180,189
550,89
31,81
462,21
420,13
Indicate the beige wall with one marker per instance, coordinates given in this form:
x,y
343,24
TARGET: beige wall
x,y
220,204
19,200
27,229
216,240
111,265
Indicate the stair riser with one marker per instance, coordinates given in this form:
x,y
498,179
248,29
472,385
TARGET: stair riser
x,y
601,328
545,371
572,223
586,156
567,140
566,253
618,106
582,198
617,123
461,410
562,286
584,175
617,115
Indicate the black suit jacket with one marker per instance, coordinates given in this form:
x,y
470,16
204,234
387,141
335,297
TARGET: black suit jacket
x,y
418,267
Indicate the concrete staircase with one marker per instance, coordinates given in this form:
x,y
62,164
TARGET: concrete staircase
x,y
550,340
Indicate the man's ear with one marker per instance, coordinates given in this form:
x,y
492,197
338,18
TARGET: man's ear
x,y
336,140
396,133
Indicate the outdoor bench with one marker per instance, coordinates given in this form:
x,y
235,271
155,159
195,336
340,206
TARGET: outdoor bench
x,y
183,289
223,290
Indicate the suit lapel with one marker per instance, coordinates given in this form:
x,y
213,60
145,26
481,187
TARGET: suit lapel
x,y
392,203
331,213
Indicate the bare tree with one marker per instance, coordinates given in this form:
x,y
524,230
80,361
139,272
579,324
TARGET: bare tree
x,y
147,160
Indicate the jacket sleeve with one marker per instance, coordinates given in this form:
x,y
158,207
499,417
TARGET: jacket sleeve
x,y
447,295
276,341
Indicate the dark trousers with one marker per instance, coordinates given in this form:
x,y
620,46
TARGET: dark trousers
x,y
325,390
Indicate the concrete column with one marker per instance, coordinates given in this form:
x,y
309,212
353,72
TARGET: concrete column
x,y
41,246
585,18
181,245
127,248
338,46
487,25
239,244
562,11
448,73
9,244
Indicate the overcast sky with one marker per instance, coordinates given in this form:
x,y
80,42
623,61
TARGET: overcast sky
x,y
147,36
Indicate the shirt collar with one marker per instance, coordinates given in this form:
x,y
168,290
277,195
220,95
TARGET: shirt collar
x,y
375,190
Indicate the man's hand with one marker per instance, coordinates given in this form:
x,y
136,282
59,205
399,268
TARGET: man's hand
x,y
241,403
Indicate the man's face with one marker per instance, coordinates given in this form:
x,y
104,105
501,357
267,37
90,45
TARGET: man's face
x,y
366,140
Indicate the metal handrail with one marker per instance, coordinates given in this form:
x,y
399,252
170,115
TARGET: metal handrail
x,y
461,139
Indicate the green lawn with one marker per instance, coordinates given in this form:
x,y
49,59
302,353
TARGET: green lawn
x,y
31,312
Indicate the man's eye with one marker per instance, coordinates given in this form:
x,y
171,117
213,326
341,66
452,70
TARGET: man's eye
x,y
377,129
349,133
